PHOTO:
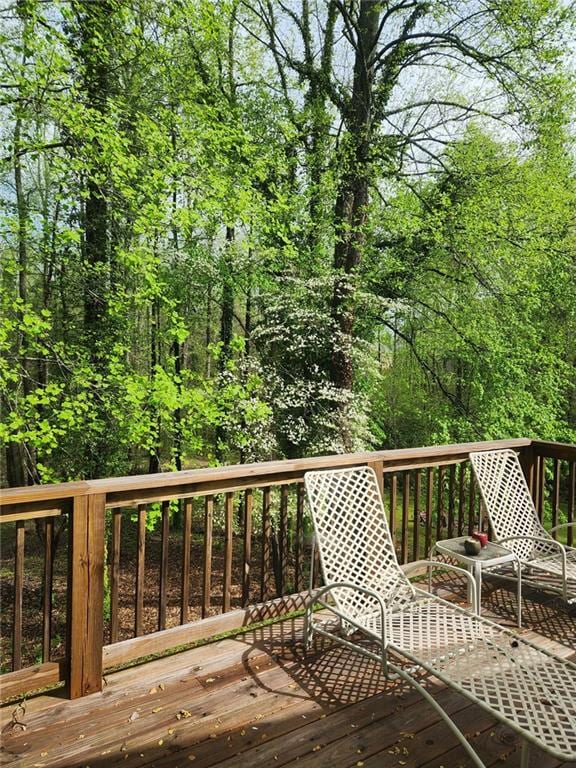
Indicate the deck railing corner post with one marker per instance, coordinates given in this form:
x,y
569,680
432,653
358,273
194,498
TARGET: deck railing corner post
x,y
527,460
378,467
86,595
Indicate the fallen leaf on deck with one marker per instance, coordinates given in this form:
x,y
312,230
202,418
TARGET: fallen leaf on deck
x,y
152,690
162,687
160,742
133,716
182,714
157,709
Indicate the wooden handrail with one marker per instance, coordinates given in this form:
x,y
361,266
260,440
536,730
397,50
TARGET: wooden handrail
x,y
552,450
133,488
429,487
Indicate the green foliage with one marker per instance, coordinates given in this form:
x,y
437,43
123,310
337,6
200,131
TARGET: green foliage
x,y
483,266
161,166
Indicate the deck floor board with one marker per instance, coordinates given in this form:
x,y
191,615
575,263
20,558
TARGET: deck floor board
x,y
259,700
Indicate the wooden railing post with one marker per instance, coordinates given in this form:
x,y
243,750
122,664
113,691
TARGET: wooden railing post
x,y
86,594
528,462
378,467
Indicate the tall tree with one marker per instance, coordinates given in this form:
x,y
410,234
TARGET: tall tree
x,y
385,130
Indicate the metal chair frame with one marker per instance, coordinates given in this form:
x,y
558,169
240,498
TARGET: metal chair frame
x,y
516,681
515,523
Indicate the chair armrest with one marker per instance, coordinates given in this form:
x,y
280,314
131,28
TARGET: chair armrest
x,y
440,564
317,597
544,539
562,525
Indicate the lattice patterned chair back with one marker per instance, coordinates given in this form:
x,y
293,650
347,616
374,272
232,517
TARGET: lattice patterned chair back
x,y
354,540
507,499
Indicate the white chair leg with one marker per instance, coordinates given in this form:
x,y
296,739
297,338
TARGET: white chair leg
x,y
525,755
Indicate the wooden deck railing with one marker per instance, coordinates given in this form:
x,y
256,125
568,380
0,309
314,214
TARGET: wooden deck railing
x,y
101,572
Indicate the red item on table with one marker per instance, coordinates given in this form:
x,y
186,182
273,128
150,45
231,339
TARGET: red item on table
x,y
481,537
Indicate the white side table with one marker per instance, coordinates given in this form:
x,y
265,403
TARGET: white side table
x,y
489,556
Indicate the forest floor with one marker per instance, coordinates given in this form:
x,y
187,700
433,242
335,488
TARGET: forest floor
x,y
32,622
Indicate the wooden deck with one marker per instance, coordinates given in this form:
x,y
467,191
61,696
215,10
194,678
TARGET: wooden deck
x,y
259,700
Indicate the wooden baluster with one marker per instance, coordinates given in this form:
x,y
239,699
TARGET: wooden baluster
x,y
18,595
266,579
207,557
472,504
461,498
405,515
248,501
317,568
541,486
299,537
140,569
163,585
429,500
536,481
86,594
283,539
47,588
570,509
393,500
416,536
451,494
555,494
186,545
115,573
228,531
440,521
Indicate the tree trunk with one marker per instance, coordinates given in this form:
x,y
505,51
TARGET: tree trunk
x,y
21,460
227,313
154,459
94,24
350,208
226,324
94,21
208,333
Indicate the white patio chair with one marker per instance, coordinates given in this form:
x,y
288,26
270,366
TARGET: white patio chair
x,y
545,562
407,629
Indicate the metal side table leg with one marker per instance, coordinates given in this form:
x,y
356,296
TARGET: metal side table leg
x,y
525,755
519,593
478,580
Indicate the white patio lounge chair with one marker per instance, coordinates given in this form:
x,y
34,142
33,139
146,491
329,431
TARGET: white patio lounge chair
x,y
545,562
408,629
